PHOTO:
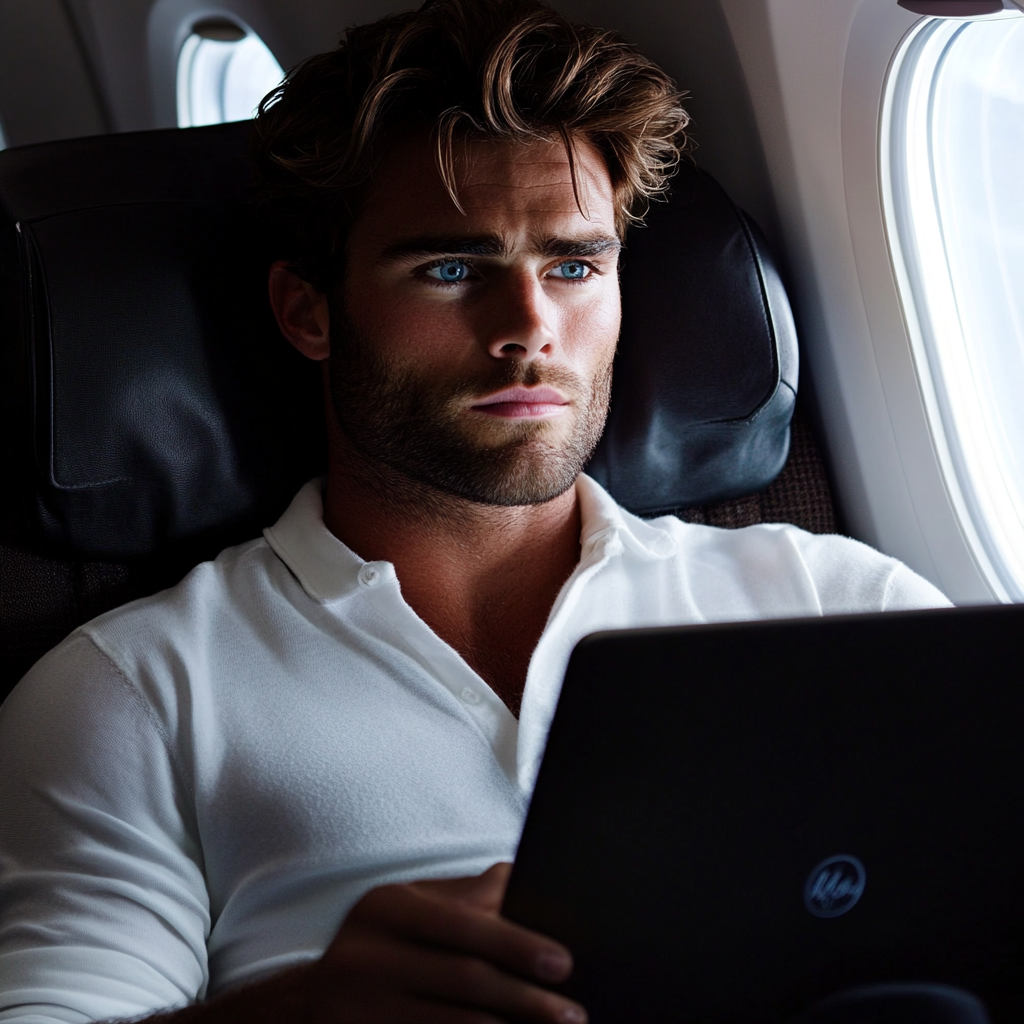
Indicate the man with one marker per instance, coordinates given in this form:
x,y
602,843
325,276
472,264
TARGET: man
x,y
291,785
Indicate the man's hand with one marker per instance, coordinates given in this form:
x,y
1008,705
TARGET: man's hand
x,y
439,953
421,953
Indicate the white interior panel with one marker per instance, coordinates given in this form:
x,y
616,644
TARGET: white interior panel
x,y
816,71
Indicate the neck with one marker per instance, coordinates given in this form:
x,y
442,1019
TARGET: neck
x,y
483,577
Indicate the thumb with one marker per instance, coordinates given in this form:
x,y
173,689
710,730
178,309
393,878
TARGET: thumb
x,y
483,892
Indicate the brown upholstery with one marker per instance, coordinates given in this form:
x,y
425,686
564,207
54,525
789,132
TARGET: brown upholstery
x,y
800,494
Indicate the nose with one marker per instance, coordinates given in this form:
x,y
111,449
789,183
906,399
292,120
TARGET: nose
x,y
521,320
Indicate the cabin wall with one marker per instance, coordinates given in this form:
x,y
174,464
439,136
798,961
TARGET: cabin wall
x,y
816,71
47,88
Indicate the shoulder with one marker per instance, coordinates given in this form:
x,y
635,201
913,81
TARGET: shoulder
x,y
228,588
769,570
785,570
135,653
837,573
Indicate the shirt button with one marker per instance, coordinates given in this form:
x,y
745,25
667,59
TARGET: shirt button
x,y
369,576
470,696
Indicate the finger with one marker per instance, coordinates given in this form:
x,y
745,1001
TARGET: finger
x,y
457,980
406,912
466,979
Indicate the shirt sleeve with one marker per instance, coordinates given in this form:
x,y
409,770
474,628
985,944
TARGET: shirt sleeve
x,y
103,906
906,591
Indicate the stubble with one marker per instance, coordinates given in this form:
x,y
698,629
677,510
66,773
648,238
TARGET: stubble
x,y
414,425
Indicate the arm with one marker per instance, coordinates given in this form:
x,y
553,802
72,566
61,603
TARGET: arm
x,y
425,952
104,911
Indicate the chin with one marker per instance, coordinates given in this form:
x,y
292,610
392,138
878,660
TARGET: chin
x,y
529,473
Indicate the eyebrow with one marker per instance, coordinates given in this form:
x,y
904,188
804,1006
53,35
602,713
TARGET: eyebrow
x,y
492,245
580,246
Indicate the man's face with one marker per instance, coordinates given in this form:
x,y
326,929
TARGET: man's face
x,y
474,350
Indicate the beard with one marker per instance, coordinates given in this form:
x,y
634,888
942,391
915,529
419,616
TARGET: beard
x,y
416,424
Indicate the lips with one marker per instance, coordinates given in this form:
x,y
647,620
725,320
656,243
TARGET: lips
x,y
523,403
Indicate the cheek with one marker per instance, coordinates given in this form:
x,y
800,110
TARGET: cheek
x,y
430,332
591,329
404,328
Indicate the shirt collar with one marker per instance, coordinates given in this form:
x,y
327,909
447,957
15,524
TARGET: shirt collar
x,y
605,520
329,570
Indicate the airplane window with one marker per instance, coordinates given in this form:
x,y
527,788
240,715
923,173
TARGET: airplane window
x,y
952,147
223,73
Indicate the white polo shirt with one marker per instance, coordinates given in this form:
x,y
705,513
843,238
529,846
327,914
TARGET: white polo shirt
x,y
195,788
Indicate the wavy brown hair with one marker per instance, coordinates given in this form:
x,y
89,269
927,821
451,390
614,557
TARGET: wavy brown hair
x,y
502,70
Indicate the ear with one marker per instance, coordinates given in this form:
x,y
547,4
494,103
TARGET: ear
x,y
301,312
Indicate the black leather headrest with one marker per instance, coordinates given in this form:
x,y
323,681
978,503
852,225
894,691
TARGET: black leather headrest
x,y
706,371
157,404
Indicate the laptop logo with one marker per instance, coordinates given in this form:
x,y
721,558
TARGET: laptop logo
x,y
834,886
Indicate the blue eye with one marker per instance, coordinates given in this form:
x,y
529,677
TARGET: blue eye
x,y
451,271
573,270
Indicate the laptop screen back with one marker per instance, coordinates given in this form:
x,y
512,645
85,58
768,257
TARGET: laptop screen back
x,y
732,822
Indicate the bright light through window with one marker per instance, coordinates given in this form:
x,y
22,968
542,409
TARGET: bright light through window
x,y
221,78
953,177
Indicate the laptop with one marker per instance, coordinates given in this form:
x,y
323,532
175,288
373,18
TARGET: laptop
x,y
732,822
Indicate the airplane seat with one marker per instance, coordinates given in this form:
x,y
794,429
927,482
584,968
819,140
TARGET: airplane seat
x,y
154,414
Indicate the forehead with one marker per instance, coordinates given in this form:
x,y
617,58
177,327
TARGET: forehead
x,y
507,188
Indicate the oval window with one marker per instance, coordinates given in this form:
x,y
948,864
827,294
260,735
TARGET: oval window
x,y
223,73
952,152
